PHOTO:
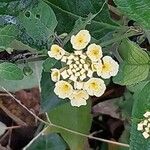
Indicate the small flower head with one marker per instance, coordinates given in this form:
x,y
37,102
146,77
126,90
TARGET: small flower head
x,y
63,89
95,87
78,98
80,40
78,80
56,52
94,52
55,75
109,67
144,126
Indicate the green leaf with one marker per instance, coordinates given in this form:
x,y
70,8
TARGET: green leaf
x,y
49,63
19,46
49,99
138,86
135,66
73,118
67,12
13,7
79,25
10,71
141,105
7,35
48,142
137,10
38,21
27,82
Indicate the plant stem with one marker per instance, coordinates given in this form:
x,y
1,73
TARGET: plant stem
x,y
118,38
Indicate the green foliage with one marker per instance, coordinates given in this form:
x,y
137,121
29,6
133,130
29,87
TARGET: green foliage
x,y
76,119
49,99
135,66
137,10
39,21
13,7
48,142
10,71
67,12
49,63
27,82
7,35
31,25
141,105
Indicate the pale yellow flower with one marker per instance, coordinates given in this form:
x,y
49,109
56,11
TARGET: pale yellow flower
x,y
56,52
63,89
80,40
95,87
55,75
109,67
78,98
94,52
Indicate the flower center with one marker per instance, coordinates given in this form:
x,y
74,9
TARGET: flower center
x,y
94,85
56,74
106,67
65,88
95,52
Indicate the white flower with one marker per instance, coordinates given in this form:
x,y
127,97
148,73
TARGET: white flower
x,y
78,98
144,126
146,135
78,52
69,71
86,67
82,61
73,78
109,67
94,52
97,67
77,74
147,114
82,77
90,73
64,59
64,74
80,40
82,71
56,52
76,58
71,56
69,62
78,85
80,66
63,89
83,56
140,127
95,86
55,75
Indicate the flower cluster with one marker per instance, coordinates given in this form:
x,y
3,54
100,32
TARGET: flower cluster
x,y
144,126
80,78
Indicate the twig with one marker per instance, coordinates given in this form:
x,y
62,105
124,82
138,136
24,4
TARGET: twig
x,y
63,128
36,137
14,127
37,75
